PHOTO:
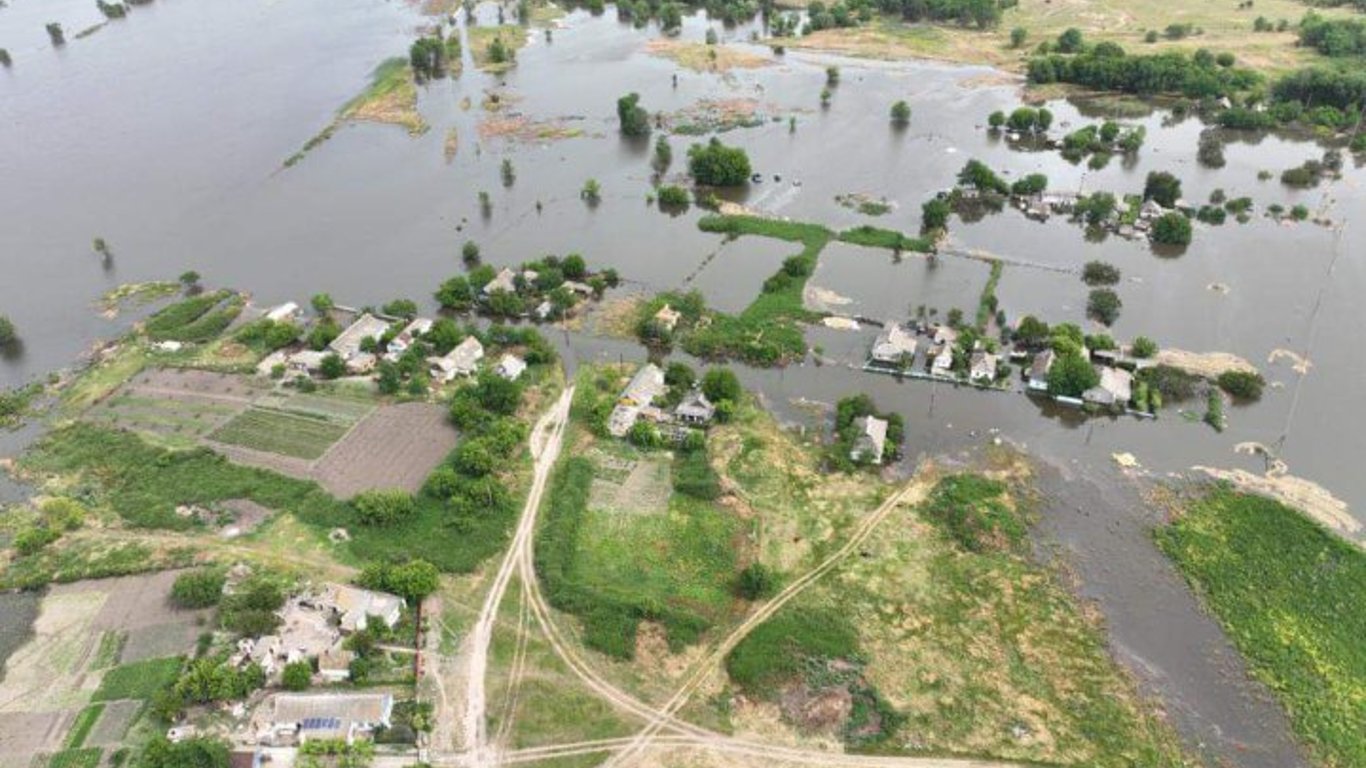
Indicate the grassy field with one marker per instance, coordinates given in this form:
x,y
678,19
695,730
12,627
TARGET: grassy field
x,y
167,421
139,680
1292,597
965,645
80,727
1224,27
282,432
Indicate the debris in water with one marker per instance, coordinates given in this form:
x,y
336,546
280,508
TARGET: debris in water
x,y
1298,363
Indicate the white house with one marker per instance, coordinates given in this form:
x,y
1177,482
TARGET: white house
x,y
872,439
510,367
982,367
355,606
505,280
367,326
405,338
894,347
1115,387
461,361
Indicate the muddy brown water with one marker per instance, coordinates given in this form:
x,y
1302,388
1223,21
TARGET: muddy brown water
x,y
165,134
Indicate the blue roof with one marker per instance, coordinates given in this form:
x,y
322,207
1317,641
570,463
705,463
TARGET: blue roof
x,y
320,724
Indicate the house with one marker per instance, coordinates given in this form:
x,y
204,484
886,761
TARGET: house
x,y
544,310
355,606
894,347
640,392
871,440
405,338
695,409
945,336
582,289
285,313
1038,370
361,363
982,367
344,716
510,367
1150,210
1115,388
505,280
941,363
667,317
367,326
461,361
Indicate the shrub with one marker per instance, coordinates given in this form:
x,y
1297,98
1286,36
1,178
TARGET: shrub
x,y
1103,305
717,165
384,507
413,580
673,196
1143,347
1172,228
756,581
202,588
635,119
33,540
250,609
901,113
297,676
1162,188
7,333
721,384
1100,273
197,752
1242,385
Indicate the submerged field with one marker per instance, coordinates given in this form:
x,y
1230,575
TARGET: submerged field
x,y
1289,594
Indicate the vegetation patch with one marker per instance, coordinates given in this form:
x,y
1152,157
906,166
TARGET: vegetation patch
x,y
700,57
391,97
1288,594
138,680
75,758
282,432
196,319
81,726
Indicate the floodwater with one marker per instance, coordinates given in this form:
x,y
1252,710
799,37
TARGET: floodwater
x,y
165,134
18,611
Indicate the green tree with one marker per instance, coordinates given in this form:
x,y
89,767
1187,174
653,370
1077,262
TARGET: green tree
x,y
469,253
201,588
717,165
721,384
197,752
297,676
456,294
756,582
8,336
1242,385
1031,332
934,215
1172,228
634,119
1071,375
1071,41
1103,305
901,113
322,303
332,366
574,267
384,507
1100,273
412,580
1017,37
1162,188
996,119
591,192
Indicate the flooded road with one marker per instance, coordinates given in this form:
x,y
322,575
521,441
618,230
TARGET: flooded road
x,y
165,134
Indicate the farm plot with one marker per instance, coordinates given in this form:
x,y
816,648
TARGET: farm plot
x,y
288,433
397,446
175,407
629,486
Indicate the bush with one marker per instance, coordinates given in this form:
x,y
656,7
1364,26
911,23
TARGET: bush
x,y
198,752
635,119
384,507
413,580
1103,305
756,582
250,609
1242,385
673,196
297,676
202,588
1144,347
33,540
1100,273
780,649
901,113
1172,228
721,384
7,333
717,165
1162,188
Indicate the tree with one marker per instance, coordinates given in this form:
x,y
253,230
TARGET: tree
x,y
197,752
332,366
934,215
1103,305
1032,184
1242,385
670,17
54,31
673,196
663,157
574,267
1099,273
717,165
322,303
591,192
8,335
1017,37
679,376
384,507
297,676
1071,375
996,119
1071,41
190,281
412,580
901,113
500,52
456,294
427,57
721,384
1172,228
1031,332
1143,347
756,581
202,588
634,119
508,172
404,308
1162,188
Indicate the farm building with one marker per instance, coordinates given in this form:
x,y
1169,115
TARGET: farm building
x,y
461,361
306,361
344,716
355,607
871,441
367,326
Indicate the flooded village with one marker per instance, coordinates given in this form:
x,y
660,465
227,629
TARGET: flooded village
x,y
716,384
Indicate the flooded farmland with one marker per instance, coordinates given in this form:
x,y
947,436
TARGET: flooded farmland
x,y
166,134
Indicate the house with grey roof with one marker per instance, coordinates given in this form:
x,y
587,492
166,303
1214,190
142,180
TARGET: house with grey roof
x,y
695,409
1115,388
1038,370
646,385
367,326
893,348
871,441
982,367
461,361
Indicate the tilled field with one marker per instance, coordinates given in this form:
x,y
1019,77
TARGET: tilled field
x,y
397,446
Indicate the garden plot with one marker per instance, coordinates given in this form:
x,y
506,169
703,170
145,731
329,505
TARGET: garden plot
x,y
396,446
630,486
284,432
114,722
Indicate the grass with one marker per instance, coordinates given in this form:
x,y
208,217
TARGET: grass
x,y
75,559
139,680
107,654
197,319
514,36
1289,595
1224,27
780,650
876,237
75,758
391,97
986,307
282,432
81,726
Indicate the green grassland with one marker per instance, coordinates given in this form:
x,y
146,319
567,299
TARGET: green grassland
x,y
138,680
282,432
1292,596
963,644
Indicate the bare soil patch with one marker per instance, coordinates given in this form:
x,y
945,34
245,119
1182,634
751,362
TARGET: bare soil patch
x,y
397,446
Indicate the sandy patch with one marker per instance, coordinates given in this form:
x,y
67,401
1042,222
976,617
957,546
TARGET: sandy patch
x,y
1206,364
1304,495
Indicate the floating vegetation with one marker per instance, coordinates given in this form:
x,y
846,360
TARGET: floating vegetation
x,y
718,116
866,204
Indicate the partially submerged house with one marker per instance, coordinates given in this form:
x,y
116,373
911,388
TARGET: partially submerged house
x,y
461,361
667,317
1115,388
894,347
941,363
505,280
695,409
1038,370
367,326
871,441
646,385
982,367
